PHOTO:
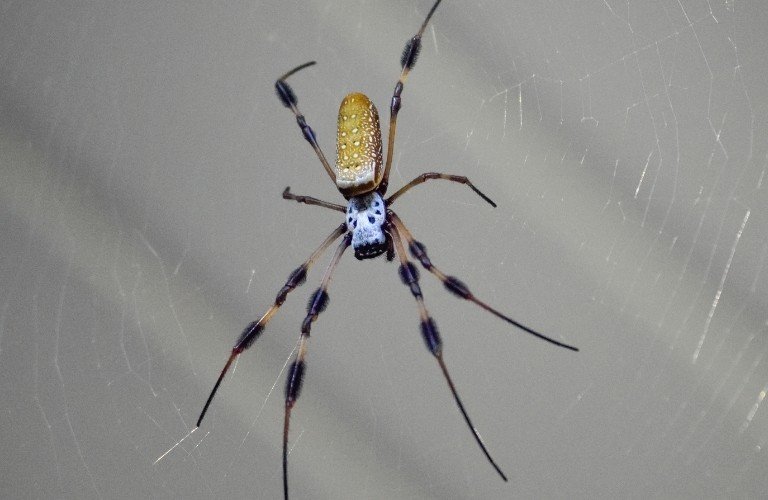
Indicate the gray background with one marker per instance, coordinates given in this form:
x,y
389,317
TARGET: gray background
x,y
142,156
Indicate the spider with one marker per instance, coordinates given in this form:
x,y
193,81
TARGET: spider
x,y
370,227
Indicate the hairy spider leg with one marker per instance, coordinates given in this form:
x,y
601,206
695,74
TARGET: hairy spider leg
x,y
407,61
435,175
254,329
309,200
456,286
317,304
288,98
410,277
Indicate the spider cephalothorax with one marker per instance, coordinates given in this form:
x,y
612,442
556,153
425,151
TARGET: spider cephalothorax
x,y
366,216
370,227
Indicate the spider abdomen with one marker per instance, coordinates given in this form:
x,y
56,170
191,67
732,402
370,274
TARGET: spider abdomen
x,y
366,216
358,146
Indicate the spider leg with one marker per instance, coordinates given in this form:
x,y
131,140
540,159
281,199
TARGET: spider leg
x,y
287,195
317,304
410,277
457,287
407,61
435,175
254,329
288,98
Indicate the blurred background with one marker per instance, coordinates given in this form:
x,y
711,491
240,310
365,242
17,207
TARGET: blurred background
x,y
142,156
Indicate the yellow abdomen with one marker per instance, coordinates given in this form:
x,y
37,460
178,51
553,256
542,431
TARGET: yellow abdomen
x,y
358,146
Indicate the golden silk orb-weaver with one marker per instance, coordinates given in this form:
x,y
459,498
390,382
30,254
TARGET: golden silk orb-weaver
x,y
370,227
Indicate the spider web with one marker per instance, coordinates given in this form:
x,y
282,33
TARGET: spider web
x,y
142,157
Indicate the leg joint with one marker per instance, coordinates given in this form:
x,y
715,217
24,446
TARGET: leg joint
x,y
293,382
249,335
431,336
457,287
318,302
410,277
419,252
285,93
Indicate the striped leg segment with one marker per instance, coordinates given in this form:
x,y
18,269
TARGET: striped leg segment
x,y
317,304
456,286
434,175
407,61
254,329
410,277
288,98
287,195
